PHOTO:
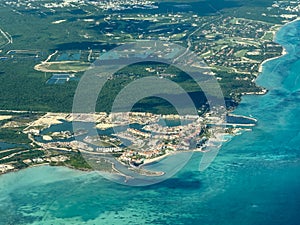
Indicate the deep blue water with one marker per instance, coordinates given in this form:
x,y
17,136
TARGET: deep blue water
x,y
255,179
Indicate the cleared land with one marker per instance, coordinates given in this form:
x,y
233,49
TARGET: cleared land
x,y
62,67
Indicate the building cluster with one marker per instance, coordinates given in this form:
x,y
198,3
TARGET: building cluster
x,y
51,159
124,118
112,5
66,146
151,138
155,140
117,5
287,6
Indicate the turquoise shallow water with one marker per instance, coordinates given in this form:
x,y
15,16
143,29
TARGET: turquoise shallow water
x,y
255,179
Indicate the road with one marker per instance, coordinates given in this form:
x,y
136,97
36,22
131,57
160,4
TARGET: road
x,y
7,36
189,43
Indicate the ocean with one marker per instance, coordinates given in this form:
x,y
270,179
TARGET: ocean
x,y
255,179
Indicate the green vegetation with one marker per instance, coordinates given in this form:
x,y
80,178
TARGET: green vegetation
x,y
269,36
3,40
101,164
240,53
92,32
78,162
7,153
20,155
13,135
232,37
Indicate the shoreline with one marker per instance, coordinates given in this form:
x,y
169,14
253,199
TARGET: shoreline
x,y
50,121
284,50
147,162
283,53
46,164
